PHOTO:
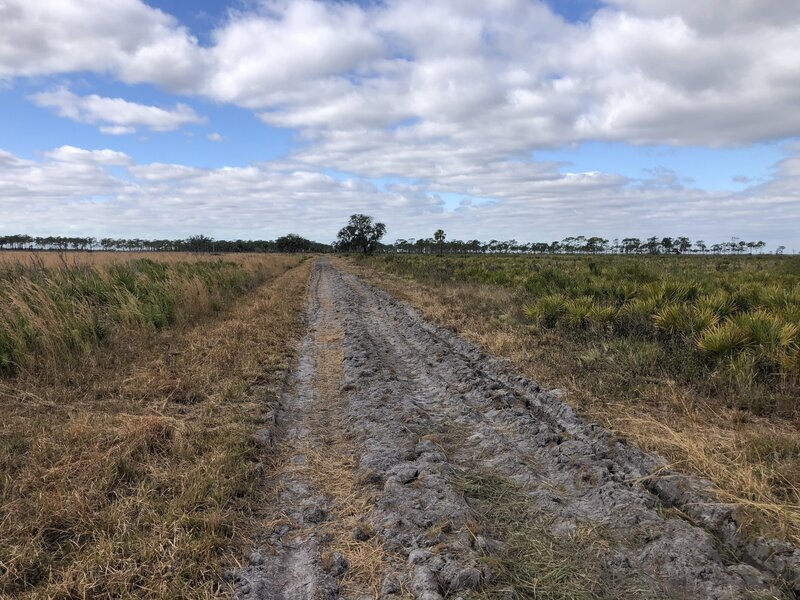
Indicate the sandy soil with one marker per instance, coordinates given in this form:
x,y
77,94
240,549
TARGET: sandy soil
x,y
385,414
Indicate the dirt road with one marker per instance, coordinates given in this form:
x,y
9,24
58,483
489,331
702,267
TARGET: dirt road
x,y
409,464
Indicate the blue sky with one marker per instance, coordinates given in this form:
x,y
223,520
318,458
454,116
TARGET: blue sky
x,y
522,119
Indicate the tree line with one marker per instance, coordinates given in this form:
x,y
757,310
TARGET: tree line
x,y
363,235
195,243
438,244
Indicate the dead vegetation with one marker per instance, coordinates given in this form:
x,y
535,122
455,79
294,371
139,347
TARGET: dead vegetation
x,y
127,469
531,559
753,461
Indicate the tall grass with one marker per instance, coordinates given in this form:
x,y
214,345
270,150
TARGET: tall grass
x,y
127,466
52,312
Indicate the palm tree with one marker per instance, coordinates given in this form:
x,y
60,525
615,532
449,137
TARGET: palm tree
x,y
439,236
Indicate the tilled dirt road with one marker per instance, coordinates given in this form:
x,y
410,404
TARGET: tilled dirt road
x,y
386,427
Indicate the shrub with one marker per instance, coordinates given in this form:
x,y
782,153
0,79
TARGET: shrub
x,y
547,310
722,338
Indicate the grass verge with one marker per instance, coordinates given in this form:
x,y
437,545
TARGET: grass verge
x,y
128,470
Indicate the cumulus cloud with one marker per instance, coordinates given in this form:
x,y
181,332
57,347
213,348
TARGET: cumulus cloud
x,y
84,190
641,71
134,41
216,137
117,116
451,96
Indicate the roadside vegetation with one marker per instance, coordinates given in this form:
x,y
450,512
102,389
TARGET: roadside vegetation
x,y
695,357
130,388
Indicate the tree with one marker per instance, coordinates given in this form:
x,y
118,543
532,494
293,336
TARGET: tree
x,y
596,244
439,236
360,234
683,244
652,245
196,243
631,245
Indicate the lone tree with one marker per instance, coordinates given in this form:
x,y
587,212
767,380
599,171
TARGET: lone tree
x,y
360,235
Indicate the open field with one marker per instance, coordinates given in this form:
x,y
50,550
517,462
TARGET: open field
x,y
271,427
628,339
127,466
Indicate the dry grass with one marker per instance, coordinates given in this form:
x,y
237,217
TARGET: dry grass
x,y
104,259
534,562
329,466
754,461
130,472
55,308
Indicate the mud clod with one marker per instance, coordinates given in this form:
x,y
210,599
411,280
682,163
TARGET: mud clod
x,y
390,586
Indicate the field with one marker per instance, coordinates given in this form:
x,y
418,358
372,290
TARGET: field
x,y
130,388
196,426
695,357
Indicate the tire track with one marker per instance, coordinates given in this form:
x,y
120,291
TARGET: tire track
x,y
411,408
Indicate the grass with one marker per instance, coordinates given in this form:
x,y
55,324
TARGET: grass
x,y
532,560
51,312
126,463
693,357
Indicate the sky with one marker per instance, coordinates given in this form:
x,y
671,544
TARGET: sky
x,y
525,119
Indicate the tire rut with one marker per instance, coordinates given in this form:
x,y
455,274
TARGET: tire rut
x,y
411,408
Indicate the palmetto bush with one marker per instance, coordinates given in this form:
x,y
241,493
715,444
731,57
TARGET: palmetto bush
x,y
765,330
721,339
547,310
702,309
685,319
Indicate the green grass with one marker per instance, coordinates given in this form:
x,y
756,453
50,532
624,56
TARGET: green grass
x,y
733,322
50,314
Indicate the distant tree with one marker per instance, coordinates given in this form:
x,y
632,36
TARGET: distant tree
x,y
196,243
361,234
439,237
682,244
652,245
630,245
780,249
596,244
667,244
701,246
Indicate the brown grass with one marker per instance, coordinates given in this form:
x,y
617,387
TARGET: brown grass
x,y
131,473
329,466
753,461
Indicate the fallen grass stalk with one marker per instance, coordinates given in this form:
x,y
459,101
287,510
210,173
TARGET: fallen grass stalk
x,y
533,561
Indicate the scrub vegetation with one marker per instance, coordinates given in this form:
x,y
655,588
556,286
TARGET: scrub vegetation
x,y
130,388
695,357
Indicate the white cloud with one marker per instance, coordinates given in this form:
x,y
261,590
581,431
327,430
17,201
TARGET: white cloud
x,y
451,96
74,189
508,75
117,116
216,137
117,129
127,37
71,154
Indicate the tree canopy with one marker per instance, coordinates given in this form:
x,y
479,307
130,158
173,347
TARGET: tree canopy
x,y
361,234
